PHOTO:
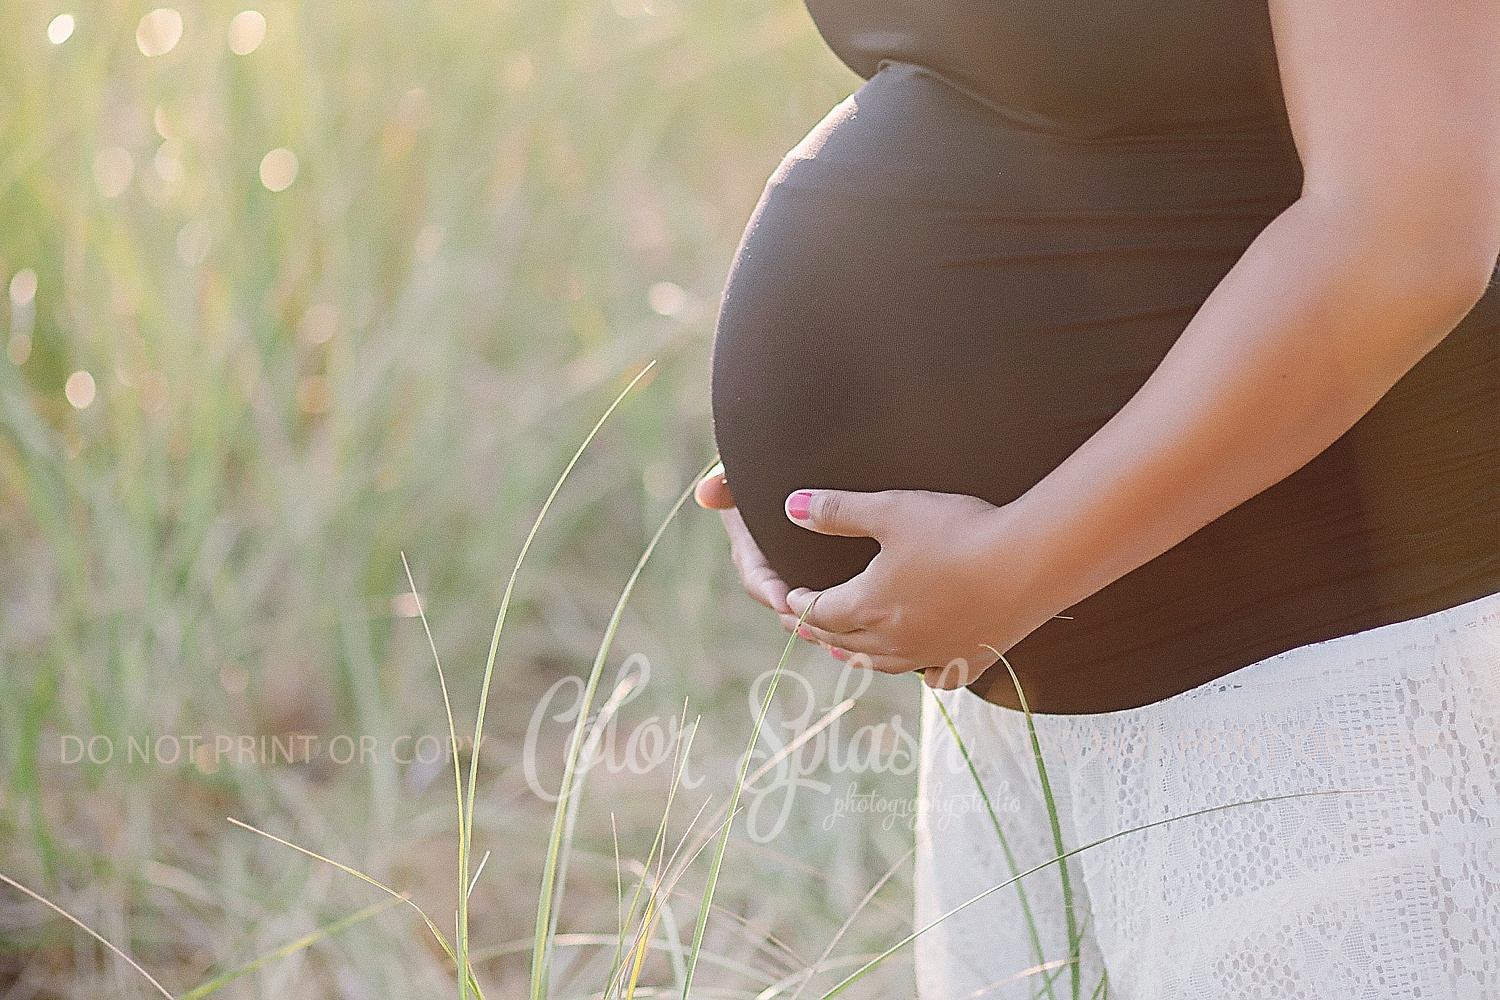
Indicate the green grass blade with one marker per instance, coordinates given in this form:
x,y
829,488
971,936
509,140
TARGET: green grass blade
x,y
466,827
657,844
219,982
545,920
404,897
596,734
464,839
1077,850
848,923
1075,939
1010,858
733,804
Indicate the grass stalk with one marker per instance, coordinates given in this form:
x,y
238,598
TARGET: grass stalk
x,y
657,845
848,923
404,897
219,982
713,873
1010,858
875,962
1075,938
87,930
545,920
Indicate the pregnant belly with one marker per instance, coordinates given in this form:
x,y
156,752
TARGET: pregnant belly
x,y
931,297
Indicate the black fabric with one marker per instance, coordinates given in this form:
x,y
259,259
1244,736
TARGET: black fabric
x,y
972,263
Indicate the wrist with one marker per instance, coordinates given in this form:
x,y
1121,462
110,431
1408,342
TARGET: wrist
x,y
1020,544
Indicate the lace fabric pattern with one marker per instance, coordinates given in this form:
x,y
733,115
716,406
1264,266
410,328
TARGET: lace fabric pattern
x,y
1379,877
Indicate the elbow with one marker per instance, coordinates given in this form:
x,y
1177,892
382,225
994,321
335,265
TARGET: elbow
x,y
1467,248
1482,276
1450,245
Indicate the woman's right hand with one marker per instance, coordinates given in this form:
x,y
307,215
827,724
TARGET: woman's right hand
x,y
760,581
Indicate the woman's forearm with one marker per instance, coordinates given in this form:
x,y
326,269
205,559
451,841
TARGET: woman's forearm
x,y
1324,312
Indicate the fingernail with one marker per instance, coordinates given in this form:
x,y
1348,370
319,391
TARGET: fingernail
x,y
799,503
804,632
838,654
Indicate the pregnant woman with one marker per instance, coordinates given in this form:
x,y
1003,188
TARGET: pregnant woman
x,y
1154,346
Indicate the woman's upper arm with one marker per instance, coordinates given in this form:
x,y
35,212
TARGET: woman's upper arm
x,y
1395,110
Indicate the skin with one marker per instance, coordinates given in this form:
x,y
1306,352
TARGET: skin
x,y
1395,109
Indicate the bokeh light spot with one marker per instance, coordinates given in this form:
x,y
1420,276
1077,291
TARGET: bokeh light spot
x,y
168,161
153,388
247,30
318,324
159,32
278,169
113,170
193,242
60,29
23,287
19,349
667,298
80,390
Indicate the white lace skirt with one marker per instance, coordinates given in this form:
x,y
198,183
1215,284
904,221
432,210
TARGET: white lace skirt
x,y
1387,887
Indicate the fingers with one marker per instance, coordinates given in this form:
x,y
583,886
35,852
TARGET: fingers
x,y
838,609
863,650
841,512
712,491
760,581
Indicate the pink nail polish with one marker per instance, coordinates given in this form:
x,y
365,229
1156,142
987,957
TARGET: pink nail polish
x,y
839,654
799,503
803,631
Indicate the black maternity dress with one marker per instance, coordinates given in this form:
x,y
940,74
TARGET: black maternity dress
x,y
970,265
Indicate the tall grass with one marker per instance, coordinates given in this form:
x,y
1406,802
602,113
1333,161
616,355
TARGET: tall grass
x,y
395,352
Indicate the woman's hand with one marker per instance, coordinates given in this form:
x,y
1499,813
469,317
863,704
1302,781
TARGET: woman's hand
x,y
951,578
760,581
930,600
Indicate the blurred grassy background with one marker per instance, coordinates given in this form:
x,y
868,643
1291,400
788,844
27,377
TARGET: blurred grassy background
x,y
283,306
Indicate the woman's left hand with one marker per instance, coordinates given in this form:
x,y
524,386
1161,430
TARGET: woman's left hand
x,y
950,579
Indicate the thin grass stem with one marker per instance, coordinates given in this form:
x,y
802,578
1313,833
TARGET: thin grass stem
x,y
1010,858
87,930
1077,850
404,897
545,919
219,982
464,840
838,936
713,872
1075,939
